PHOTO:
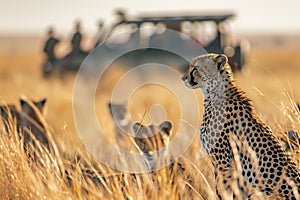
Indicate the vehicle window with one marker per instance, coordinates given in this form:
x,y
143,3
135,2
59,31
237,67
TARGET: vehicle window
x,y
204,32
122,33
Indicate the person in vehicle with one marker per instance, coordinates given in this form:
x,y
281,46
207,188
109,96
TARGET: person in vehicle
x,y
77,38
49,48
100,33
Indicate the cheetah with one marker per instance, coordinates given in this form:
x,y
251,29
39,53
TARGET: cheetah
x,y
248,160
152,142
121,118
28,121
147,139
291,142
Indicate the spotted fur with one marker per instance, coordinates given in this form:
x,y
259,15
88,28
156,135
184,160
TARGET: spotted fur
x,y
248,159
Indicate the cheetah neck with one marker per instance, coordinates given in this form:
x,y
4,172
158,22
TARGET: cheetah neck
x,y
212,94
224,87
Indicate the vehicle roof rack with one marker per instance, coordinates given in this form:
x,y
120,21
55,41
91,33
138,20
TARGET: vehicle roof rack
x,y
177,18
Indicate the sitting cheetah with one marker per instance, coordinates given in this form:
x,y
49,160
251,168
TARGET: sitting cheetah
x,y
28,120
152,142
249,161
151,139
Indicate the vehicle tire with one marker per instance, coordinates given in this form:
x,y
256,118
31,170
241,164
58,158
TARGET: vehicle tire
x,y
238,58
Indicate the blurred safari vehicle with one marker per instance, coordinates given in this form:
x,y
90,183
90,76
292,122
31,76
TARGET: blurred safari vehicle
x,y
170,40
151,38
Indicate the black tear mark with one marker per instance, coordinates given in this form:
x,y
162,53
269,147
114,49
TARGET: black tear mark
x,y
192,82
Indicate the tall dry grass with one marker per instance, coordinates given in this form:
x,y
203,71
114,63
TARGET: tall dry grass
x,y
80,176
74,174
55,175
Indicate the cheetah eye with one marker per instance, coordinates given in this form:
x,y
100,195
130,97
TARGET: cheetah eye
x,y
193,72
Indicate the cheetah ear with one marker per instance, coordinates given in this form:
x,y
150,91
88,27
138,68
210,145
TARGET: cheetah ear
x,y
136,127
221,61
140,130
166,127
24,105
40,104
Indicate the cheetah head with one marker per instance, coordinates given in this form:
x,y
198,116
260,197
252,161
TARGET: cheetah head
x,y
150,139
204,71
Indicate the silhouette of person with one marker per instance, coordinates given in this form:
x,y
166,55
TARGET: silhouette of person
x,y
121,14
100,33
49,48
76,39
76,56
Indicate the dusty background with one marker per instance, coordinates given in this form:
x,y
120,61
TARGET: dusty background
x,y
271,78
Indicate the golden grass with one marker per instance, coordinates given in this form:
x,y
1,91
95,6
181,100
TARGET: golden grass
x,y
272,83
79,176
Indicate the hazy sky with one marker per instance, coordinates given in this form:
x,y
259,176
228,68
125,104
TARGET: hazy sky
x,y
33,16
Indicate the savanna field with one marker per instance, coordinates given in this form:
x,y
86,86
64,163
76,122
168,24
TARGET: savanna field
x,y
271,79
